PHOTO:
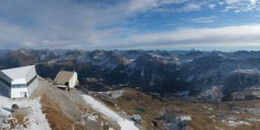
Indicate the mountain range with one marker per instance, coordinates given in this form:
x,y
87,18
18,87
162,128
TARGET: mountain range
x,y
210,76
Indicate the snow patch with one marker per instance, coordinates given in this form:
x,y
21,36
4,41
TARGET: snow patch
x,y
185,118
247,71
124,123
37,120
113,94
236,123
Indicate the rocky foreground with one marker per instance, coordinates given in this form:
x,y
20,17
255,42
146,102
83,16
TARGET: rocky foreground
x,y
53,108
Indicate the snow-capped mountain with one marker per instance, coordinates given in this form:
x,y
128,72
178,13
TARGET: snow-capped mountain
x,y
210,76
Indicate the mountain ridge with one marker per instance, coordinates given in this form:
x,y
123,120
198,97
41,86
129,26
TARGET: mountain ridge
x,y
204,75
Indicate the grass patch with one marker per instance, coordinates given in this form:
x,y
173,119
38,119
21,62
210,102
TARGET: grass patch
x,y
205,116
56,119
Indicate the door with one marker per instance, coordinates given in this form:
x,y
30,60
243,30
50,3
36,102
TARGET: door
x,y
24,94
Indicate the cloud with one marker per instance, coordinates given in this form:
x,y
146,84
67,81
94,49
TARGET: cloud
x,y
237,1
93,24
210,19
253,1
232,1
242,6
59,23
187,6
239,6
68,23
191,7
247,35
212,6
144,5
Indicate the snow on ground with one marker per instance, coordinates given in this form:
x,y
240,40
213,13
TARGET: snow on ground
x,y
179,123
113,94
37,120
185,118
124,123
236,123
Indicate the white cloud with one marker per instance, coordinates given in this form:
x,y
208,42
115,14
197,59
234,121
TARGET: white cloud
x,y
59,24
242,6
145,5
187,7
95,24
210,19
253,2
191,7
248,35
68,23
232,1
212,6
137,5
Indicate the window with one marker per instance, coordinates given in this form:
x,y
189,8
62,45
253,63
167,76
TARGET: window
x,y
18,85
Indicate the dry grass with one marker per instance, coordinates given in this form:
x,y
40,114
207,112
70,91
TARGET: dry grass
x,y
100,118
82,107
56,119
201,113
149,107
205,116
19,119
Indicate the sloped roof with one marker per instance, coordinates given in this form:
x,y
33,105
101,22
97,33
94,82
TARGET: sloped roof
x,y
63,77
18,73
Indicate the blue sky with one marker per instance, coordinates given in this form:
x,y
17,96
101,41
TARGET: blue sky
x,y
130,24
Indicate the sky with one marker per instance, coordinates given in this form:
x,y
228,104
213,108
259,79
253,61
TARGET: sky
x,y
130,24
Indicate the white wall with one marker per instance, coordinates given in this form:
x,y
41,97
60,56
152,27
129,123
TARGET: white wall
x,y
30,74
32,86
19,81
73,81
18,92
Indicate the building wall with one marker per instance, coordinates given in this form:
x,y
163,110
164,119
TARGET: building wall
x,y
6,78
31,74
19,92
19,81
6,88
73,81
32,86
